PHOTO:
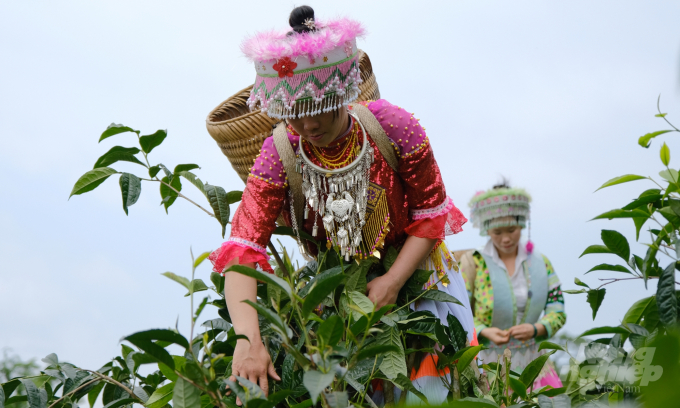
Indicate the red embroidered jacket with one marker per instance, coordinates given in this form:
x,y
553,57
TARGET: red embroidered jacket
x,y
416,197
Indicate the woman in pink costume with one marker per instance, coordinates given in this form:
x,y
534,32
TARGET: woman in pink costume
x,y
357,165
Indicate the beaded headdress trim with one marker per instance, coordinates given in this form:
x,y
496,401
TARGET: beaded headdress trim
x,y
497,208
304,74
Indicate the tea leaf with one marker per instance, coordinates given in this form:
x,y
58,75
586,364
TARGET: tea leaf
x,y
622,179
115,129
118,153
645,141
130,188
666,299
91,180
149,142
185,395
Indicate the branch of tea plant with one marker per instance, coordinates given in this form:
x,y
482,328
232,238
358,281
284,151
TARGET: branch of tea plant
x,y
668,247
278,259
74,391
302,322
654,181
363,394
586,384
447,385
180,195
496,376
612,280
188,199
656,221
207,391
658,108
139,138
664,251
321,262
419,296
191,312
111,380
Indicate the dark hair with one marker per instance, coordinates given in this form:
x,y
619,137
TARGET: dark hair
x,y
504,183
297,18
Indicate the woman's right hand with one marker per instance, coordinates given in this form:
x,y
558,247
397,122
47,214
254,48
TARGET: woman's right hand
x,y
252,361
496,335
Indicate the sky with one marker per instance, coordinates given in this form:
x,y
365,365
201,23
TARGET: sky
x,y
551,95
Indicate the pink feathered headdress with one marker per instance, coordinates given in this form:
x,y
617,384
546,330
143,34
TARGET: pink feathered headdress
x,y
304,74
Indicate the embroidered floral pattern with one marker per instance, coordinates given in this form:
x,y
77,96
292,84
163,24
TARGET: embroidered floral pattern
x,y
285,66
554,317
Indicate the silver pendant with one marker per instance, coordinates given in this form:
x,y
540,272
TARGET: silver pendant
x,y
328,222
343,239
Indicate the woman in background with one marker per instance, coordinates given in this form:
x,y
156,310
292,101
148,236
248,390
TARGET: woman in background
x,y
514,292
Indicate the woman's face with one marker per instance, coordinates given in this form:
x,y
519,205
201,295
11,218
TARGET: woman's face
x,y
506,239
322,129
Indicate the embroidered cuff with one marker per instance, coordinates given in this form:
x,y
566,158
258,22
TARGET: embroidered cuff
x,y
441,209
436,223
246,252
553,322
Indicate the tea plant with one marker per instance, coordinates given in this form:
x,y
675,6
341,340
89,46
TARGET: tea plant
x,y
324,336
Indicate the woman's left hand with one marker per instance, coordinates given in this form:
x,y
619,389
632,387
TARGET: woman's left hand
x,y
522,332
383,290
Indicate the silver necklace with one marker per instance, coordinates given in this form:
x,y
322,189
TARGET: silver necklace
x,y
338,197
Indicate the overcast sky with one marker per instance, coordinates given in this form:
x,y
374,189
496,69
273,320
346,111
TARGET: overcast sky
x,y
552,95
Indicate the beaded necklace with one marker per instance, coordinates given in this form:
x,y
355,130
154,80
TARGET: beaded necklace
x,y
347,154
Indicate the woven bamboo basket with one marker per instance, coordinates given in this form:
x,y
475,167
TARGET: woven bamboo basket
x,y
239,133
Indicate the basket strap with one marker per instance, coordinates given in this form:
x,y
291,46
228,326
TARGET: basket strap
x,y
377,133
287,155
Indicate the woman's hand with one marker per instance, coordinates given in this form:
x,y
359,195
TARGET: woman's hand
x,y
522,332
496,335
383,290
525,331
252,361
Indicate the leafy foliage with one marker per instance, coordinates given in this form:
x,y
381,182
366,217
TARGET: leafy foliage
x,y
323,334
651,324
170,184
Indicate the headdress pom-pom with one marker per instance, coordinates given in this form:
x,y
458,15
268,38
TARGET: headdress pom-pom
x,y
530,247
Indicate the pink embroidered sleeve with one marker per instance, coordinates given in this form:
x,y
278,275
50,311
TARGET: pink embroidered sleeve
x,y
255,218
433,214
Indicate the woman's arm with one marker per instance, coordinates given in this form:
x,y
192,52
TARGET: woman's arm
x,y
525,331
251,359
383,290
